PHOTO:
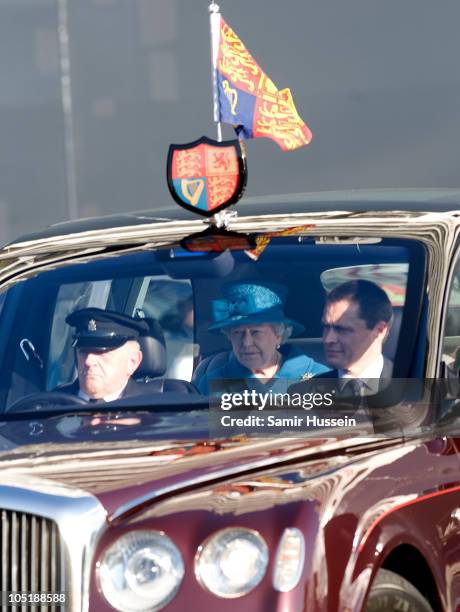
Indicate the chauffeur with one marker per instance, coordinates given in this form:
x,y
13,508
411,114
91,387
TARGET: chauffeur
x,y
107,354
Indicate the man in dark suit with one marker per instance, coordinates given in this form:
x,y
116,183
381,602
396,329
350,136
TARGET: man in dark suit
x,y
356,320
107,354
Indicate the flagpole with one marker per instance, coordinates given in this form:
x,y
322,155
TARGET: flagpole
x,y
214,22
66,99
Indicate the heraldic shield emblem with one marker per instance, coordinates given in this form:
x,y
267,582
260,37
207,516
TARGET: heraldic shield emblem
x,y
206,176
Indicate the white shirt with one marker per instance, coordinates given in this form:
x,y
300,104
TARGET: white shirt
x,y
369,376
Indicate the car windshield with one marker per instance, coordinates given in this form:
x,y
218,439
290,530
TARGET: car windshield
x,y
206,314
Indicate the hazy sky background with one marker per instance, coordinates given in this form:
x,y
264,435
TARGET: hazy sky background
x,y
377,82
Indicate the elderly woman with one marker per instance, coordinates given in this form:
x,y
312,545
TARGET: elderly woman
x,y
252,317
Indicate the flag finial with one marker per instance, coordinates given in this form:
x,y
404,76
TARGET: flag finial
x,y
214,22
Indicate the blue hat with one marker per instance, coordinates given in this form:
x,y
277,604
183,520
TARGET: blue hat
x,y
104,329
251,303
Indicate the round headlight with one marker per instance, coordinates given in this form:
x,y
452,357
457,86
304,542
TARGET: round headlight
x,y
141,571
232,562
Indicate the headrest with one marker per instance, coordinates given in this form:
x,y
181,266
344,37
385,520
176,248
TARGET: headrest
x,y
391,343
153,349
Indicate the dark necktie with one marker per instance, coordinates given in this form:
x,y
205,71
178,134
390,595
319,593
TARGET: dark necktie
x,y
354,387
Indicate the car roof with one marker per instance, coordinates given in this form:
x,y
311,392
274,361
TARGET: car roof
x,y
384,200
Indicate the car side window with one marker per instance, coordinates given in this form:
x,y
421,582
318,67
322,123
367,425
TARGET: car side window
x,y
391,277
451,342
70,297
170,302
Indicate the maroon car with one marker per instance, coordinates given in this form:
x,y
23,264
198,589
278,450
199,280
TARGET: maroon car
x,y
162,501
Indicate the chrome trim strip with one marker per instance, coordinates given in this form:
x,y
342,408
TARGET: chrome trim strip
x,y
455,260
80,518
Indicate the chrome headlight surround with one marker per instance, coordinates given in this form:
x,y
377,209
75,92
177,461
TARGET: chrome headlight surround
x,y
232,562
141,571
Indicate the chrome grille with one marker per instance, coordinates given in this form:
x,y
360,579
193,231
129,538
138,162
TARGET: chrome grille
x,y
31,556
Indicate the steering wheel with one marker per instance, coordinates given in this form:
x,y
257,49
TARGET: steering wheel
x,y
45,400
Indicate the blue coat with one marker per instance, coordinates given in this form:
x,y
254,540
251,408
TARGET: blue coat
x,y
296,366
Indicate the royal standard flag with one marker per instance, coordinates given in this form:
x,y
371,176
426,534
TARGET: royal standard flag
x,y
248,99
